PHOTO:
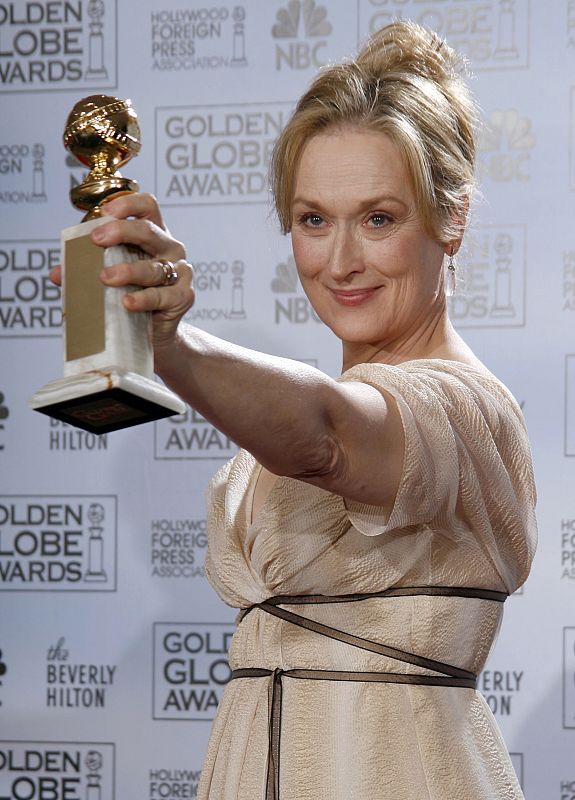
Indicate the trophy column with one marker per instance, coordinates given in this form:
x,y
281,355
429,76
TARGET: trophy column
x,y
108,379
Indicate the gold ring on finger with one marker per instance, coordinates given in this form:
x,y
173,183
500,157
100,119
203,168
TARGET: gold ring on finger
x,y
169,272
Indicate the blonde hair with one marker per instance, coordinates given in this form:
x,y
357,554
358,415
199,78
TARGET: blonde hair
x,y
407,83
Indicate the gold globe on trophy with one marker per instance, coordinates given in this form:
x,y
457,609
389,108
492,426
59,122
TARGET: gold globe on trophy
x,y
108,379
103,134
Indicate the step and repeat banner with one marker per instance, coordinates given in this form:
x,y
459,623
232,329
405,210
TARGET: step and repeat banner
x,y
112,644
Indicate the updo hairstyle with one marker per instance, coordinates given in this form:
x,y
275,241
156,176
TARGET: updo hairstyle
x,y
407,83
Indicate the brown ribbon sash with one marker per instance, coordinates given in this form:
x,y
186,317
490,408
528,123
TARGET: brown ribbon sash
x,y
449,675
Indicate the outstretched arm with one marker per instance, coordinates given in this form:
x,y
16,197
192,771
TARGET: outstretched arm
x,y
296,421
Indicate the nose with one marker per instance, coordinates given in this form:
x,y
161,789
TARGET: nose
x,y
346,256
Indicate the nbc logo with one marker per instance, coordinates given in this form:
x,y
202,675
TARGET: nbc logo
x,y
290,21
506,147
290,304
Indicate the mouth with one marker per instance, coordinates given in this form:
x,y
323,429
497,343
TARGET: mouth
x,y
353,297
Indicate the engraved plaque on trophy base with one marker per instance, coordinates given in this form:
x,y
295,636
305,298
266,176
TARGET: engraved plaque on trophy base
x,y
108,379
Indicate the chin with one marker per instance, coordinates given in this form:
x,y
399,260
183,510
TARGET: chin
x,y
358,333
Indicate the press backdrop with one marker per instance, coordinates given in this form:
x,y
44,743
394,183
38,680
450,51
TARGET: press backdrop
x,y
113,645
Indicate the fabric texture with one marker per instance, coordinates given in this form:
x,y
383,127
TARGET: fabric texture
x,y
463,516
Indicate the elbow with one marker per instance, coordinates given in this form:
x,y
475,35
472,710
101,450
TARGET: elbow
x,y
320,464
313,450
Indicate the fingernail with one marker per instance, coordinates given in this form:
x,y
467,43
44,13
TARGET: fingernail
x,y
98,235
108,274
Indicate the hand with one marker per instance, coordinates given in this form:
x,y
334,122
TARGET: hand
x,y
138,221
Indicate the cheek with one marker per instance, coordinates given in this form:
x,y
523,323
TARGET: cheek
x,y
431,268
418,263
307,257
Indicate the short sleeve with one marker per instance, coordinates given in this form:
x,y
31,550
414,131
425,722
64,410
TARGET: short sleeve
x,y
467,467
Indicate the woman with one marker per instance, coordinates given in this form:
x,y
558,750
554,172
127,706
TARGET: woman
x,y
371,526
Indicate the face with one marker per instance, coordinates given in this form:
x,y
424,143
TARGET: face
x,y
370,270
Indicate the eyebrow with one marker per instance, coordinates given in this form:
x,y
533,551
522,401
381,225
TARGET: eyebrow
x,y
370,202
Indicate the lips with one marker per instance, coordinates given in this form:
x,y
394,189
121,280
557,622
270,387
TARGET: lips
x,y
353,297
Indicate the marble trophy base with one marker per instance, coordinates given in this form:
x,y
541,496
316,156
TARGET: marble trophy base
x,y
102,401
108,381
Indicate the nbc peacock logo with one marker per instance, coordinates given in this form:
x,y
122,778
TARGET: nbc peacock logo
x,y
506,147
290,303
301,29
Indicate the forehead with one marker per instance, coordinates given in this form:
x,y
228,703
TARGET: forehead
x,y
354,160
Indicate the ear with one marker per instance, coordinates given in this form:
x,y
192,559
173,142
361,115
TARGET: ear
x,y
452,246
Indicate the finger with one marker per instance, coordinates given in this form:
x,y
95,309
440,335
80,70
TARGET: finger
x,y
141,205
55,275
172,301
143,234
146,274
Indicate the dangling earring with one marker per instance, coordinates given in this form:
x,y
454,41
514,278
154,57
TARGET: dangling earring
x,y
451,280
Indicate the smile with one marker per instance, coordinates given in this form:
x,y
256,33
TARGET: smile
x,y
353,297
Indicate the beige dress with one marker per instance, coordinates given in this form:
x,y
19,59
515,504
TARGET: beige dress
x,y
463,517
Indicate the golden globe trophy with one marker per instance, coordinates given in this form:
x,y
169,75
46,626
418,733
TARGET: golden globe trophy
x,y
108,380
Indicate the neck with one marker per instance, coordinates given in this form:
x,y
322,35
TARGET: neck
x,y
436,339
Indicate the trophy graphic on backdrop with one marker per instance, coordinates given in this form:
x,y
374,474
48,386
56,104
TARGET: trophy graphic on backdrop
x,y
108,379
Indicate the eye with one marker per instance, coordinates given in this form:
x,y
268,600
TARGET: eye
x,y
378,220
311,219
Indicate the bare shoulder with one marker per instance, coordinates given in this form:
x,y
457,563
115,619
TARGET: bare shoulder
x,y
458,351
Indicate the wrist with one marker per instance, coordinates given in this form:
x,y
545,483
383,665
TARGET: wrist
x,y
166,350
